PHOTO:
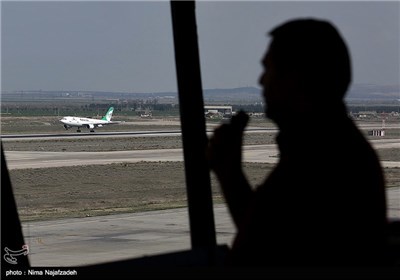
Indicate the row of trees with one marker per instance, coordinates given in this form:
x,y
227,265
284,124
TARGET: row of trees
x,y
136,107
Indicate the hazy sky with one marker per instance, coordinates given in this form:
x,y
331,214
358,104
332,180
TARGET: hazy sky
x,y
128,46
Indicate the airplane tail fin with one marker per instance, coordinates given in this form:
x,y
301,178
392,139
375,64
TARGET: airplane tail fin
x,y
108,115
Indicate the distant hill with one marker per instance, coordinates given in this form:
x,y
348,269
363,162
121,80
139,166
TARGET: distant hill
x,y
356,92
374,92
243,95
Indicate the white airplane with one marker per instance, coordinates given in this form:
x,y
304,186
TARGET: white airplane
x,y
88,122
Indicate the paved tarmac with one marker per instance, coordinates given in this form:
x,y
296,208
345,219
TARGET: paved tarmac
x,y
254,153
35,159
82,241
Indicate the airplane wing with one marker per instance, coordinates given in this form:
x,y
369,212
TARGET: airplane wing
x,y
91,126
112,122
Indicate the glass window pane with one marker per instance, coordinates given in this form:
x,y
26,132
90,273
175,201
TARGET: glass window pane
x,y
233,38
115,193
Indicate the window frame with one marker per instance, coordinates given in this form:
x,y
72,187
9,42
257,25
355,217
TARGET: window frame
x,y
204,250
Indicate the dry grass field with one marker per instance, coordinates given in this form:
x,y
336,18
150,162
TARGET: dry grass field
x,y
80,191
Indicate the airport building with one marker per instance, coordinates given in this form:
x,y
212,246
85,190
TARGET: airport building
x,y
214,111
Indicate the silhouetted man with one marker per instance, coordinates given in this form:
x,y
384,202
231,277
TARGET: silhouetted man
x,y
324,202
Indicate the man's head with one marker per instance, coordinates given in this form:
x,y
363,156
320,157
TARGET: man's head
x,y
307,64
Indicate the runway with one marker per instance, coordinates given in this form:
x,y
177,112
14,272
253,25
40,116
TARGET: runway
x,y
28,159
11,137
254,153
89,135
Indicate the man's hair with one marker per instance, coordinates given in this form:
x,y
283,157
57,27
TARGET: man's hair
x,y
315,51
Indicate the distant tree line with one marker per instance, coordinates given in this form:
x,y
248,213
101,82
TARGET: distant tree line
x,y
136,107
254,108
128,108
377,108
